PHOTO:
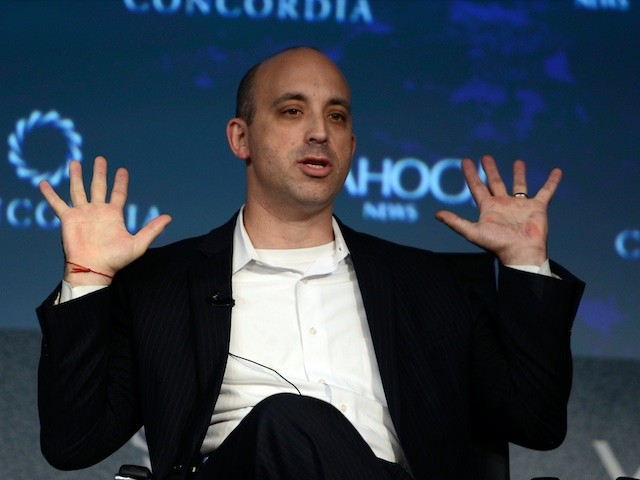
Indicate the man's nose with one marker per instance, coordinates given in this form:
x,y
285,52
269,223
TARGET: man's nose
x,y
317,129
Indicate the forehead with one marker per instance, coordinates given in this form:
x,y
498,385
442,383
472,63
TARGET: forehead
x,y
302,71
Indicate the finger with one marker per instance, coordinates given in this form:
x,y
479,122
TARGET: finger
x,y
99,180
545,194
58,205
476,187
147,234
120,187
519,177
494,181
76,185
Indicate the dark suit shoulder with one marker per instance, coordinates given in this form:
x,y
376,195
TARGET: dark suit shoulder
x,y
176,257
158,260
385,251
172,252
372,245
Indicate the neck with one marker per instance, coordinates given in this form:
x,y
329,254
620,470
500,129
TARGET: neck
x,y
289,229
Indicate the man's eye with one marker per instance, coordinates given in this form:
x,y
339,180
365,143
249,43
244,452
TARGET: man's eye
x,y
292,111
338,117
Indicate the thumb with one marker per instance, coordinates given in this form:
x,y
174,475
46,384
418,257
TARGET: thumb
x,y
456,223
147,234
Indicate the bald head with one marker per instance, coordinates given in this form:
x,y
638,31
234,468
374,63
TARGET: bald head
x,y
245,97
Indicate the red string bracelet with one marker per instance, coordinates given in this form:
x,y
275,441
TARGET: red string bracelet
x,y
80,269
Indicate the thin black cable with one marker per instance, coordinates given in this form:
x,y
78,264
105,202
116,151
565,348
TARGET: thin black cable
x,y
268,368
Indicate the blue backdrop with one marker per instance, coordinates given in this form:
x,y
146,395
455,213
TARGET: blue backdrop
x,y
150,84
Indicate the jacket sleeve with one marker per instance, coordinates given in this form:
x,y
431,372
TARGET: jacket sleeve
x,y
86,385
522,365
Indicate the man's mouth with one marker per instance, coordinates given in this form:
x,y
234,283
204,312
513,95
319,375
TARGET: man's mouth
x,y
313,163
315,166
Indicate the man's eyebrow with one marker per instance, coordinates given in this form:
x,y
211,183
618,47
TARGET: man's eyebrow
x,y
343,102
285,97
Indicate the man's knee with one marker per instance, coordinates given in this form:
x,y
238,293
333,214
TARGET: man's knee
x,y
293,408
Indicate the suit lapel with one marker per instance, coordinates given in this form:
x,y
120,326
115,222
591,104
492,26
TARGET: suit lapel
x,y
209,286
376,284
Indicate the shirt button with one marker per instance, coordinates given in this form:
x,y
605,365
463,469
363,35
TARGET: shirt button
x,y
313,331
322,381
343,408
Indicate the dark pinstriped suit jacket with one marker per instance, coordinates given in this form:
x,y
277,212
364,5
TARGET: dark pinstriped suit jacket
x,y
151,350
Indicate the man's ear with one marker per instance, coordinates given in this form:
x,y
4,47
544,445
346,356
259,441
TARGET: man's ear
x,y
237,136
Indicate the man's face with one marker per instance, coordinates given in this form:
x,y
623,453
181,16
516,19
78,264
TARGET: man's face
x,y
300,142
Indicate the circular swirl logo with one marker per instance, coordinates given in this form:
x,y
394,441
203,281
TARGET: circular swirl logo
x,y
24,127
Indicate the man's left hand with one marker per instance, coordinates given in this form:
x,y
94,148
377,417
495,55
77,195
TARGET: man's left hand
x,y
514,227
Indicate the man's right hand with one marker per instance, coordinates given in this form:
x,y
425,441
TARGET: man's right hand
x,y
94,235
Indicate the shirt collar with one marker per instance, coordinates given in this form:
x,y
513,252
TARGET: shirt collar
x,y
244,251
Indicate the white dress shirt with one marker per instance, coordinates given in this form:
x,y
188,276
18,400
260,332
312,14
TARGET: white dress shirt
x,y
299,312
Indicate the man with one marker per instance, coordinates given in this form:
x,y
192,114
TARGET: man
x,y
285,345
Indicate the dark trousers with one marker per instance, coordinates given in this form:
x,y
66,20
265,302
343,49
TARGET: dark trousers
x,y
294,437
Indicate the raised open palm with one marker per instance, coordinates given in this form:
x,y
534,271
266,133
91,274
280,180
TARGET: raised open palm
x,y
512,226
94,235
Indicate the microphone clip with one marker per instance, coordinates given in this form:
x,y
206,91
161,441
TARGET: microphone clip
x,y
218,300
